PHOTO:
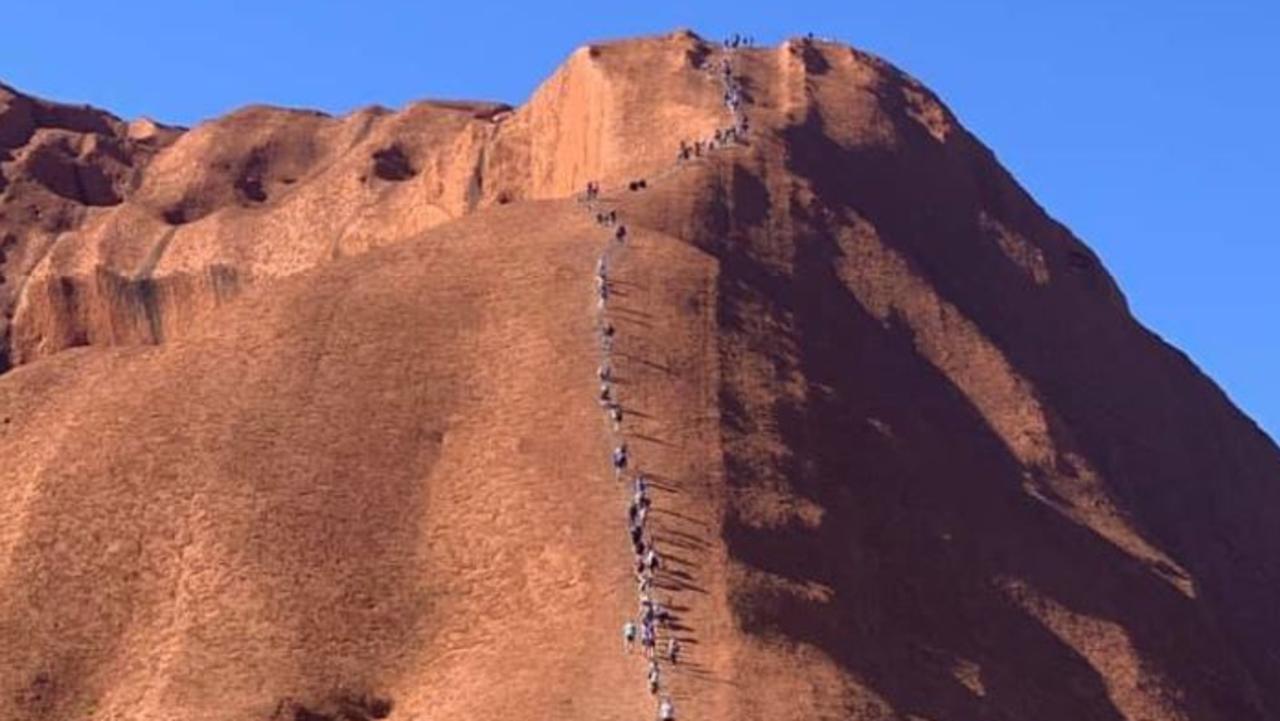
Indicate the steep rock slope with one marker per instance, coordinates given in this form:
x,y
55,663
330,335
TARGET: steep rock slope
x,y
912,457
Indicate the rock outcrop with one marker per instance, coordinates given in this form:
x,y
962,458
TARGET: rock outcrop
x,y
301,422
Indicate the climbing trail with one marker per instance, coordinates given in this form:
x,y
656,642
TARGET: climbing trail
x,y
661,650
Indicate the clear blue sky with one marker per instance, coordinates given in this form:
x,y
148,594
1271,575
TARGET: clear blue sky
x,y
1150,128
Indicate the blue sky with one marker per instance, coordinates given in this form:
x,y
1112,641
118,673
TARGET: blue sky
x,y
1150,128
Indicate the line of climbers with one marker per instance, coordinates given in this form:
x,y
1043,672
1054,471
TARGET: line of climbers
x,y
736,132
653,615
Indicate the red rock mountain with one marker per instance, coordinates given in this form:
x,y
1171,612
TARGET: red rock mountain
x,y
299,418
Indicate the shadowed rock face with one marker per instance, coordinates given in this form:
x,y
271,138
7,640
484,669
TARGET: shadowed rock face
x,y
301,422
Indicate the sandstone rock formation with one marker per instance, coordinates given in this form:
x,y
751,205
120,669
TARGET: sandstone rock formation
x,y
300,419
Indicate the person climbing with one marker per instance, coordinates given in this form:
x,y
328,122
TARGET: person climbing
x,y
640,485
640,502
605,394
650,611
666,710
613,217
652,560
648,638
644,583
662,615
628,636
620,456
615,414
655,677
605,372
621,233
637,537
673,650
